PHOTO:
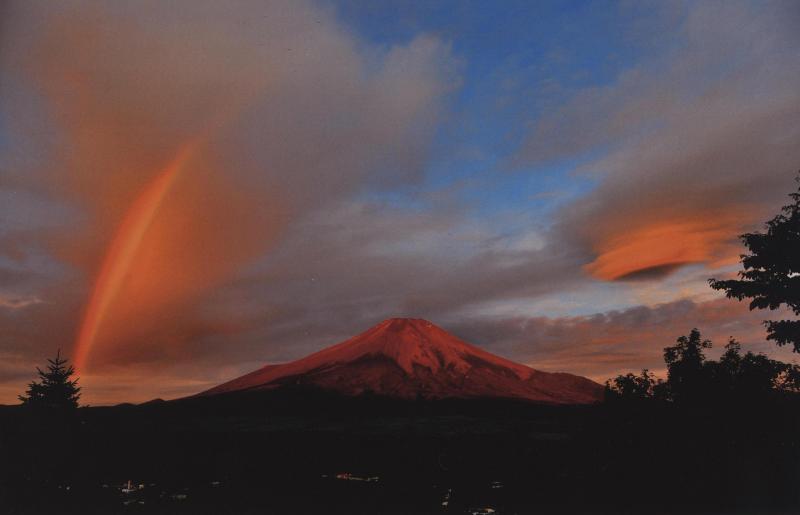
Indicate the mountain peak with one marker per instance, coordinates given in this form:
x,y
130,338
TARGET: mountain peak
x,y
413,343
400,323
405,320
408,357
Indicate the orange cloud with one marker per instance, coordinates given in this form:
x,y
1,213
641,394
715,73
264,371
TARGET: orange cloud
x,y
661,246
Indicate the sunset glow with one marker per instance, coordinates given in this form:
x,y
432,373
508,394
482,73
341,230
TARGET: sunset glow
x,y
347,256
192,189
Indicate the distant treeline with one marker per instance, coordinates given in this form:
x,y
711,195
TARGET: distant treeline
x,y
693,379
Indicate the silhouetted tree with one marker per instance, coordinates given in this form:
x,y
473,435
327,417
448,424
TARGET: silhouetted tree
x,y
751,375
55,388
771,275
632,387
727,368
692,379
685,366
789,380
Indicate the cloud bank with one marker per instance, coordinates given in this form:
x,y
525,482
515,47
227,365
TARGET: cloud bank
x,y
700,142
287,111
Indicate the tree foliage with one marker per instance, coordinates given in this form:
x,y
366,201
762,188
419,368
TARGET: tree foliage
x,y
771,272
55,388
630,386
693,379
685,366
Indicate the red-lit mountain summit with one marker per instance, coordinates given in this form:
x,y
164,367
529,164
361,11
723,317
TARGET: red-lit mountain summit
x,y
408,358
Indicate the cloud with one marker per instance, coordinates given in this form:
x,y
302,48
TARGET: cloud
x,y
344,269
696,146
292,114
14,302
610,343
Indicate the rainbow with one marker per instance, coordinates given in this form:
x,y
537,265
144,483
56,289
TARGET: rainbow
x,y
122,251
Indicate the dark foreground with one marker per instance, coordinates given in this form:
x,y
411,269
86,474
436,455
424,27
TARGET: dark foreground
x,y
307,452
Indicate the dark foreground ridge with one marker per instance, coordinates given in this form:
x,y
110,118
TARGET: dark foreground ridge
x,y
300,450
411,358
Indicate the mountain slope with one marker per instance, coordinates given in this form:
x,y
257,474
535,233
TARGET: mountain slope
x,y
408,358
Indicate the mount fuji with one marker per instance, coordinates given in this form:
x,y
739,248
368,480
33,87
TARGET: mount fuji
x,y
412,358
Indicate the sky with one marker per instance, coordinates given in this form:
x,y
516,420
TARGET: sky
x,y
191,190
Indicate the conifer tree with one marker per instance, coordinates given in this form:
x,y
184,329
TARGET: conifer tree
x,y
54,389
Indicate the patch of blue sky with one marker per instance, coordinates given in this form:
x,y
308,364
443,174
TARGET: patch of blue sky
x,y
518,56
589,299
520,59
594,297
538,191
